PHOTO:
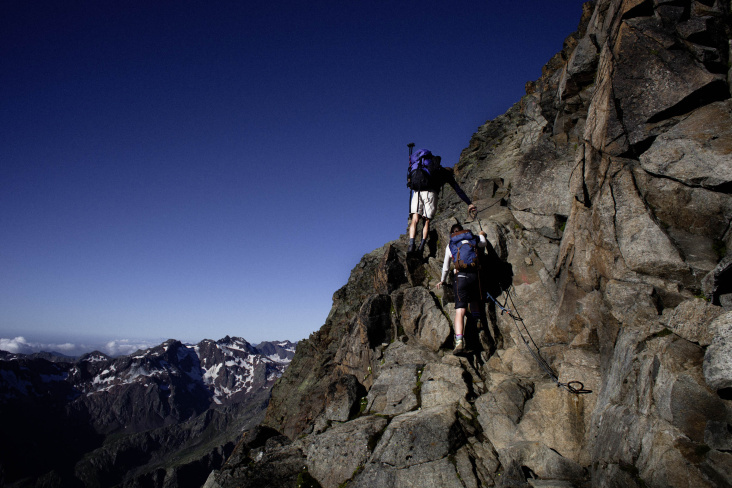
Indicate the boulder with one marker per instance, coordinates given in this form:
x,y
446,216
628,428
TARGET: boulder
x,y
435,474
394,391
342,398
644,64
543,462
631,303
390,273
580,70
718,283
349,443
419,437
697,151
501,409
422,319
443,384
718,356
693,320
645,247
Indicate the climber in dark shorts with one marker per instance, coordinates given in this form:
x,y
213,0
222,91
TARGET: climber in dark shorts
x,y
466,284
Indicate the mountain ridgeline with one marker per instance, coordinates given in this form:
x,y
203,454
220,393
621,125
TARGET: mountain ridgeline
x,y
606,189
165,416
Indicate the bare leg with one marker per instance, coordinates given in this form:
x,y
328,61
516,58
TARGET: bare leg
x,y
459,318
413,225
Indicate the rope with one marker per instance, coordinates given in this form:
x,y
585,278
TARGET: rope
x,y
479,210
576,387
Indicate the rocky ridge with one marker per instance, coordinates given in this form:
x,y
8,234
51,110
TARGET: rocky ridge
x,y
163,416
607,190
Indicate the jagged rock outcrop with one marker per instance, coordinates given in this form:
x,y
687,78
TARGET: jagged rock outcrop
x,y
607,191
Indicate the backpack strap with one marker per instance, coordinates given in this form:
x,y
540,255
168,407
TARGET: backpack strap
x,y
468,235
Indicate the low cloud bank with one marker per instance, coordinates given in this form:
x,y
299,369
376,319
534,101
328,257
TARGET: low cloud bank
x,y
124,347
117,347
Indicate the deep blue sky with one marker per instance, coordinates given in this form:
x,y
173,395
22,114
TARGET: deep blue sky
x,y
192,170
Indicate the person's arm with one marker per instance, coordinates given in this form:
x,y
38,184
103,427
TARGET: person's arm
x,y
445,266
450,178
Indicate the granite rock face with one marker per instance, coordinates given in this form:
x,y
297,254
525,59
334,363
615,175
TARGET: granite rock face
x,y
606,192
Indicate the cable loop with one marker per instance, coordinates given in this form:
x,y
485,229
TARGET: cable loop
x,y
576,387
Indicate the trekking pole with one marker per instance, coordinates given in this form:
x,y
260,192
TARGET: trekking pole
x,y
409,207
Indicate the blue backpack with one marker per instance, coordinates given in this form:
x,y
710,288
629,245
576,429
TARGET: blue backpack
x,y
464,249
423,166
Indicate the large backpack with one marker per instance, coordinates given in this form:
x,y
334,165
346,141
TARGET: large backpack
x,y
464,249
423,167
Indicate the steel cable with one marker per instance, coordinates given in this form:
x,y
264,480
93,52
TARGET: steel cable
x,y
576,387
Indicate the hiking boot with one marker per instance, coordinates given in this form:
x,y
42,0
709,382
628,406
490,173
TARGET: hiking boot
x,y
459,346
421,245
411,247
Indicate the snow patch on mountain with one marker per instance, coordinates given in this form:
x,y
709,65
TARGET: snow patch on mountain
x,y
227,369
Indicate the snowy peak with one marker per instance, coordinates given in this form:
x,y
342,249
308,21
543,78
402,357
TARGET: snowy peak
x,y
279,351
112,415
231,367
33,378
169,380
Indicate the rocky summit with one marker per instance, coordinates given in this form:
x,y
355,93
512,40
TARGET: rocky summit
x,y
605,195
165,416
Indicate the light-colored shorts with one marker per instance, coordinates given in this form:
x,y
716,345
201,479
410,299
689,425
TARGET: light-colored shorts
x,y
424,203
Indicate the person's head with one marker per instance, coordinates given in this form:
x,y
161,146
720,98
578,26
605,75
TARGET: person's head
x,y
456,228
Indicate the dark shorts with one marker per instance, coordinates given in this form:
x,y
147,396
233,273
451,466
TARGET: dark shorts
x,y
467,289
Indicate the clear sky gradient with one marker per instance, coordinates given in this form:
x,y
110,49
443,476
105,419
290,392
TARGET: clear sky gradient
x,y
198,169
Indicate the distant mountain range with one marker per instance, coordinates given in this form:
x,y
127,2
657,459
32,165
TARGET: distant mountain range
x,y
161,416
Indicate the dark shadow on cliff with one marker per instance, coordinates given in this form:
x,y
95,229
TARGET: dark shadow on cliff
x,y
496,278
